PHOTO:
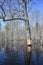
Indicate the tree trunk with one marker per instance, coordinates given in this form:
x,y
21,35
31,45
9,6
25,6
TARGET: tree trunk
x,y
28,31
26,18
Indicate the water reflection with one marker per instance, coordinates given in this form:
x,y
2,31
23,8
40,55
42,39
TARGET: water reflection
x,y
28,49
18,57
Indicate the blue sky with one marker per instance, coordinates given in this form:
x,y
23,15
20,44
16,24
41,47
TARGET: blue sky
x,y
37,6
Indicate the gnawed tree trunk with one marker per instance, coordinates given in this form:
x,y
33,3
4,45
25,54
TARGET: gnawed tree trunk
x,y
28,31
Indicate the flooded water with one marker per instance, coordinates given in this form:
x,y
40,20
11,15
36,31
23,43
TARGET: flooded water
x,y
18,58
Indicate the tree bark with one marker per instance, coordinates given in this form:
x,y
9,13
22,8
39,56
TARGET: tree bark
x,y
28,31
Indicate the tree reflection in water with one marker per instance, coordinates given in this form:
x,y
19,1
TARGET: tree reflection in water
x,y
18,57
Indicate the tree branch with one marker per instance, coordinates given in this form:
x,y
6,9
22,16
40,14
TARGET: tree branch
x,y
13,19
2,10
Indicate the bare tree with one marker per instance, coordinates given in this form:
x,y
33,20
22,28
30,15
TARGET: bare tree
x,y
14,13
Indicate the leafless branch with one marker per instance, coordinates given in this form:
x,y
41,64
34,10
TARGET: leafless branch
x,y
3,10
14,19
